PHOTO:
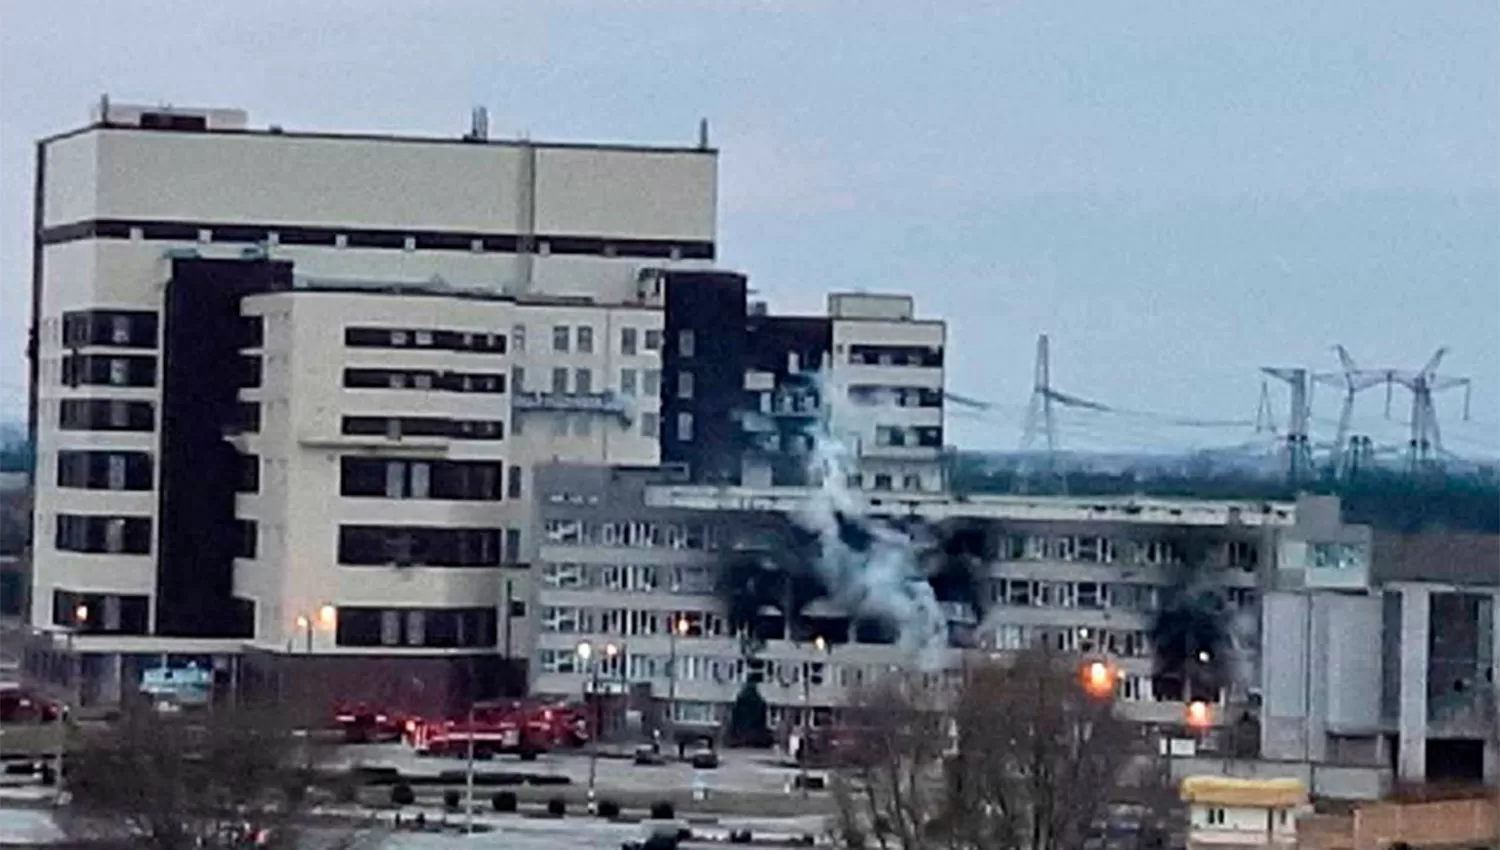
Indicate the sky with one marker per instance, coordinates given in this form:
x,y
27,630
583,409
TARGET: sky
x,y
1176,193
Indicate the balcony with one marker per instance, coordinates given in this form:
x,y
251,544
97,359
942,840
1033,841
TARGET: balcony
x,y
604,403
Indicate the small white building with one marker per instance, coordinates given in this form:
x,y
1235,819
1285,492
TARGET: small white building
x,y
1225,812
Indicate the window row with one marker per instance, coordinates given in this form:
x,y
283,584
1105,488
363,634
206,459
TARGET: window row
x,y
94,533
580,339
1089,549
444,340
104,470
1126,643
430,546
447,628
1125,596
885,481
396,427
647,423
393,240
896,355
924,436
114,328
627,622
101,370
92,613
99,414
629,578
633,534
725,669
424,379
878,394
425,479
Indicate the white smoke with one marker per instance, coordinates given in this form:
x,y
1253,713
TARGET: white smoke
x,y
884,581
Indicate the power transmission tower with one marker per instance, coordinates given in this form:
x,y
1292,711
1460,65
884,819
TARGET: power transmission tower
x,y
1265,420
1352,380
1298,454
1425,443
1040,408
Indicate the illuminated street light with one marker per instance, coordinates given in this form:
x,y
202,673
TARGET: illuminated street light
x,y
610,650
681,626
585,650
328,616
820,644
1203,656
302,621
1198,714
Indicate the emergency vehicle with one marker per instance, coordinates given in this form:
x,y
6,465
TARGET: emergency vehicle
x,y
512,726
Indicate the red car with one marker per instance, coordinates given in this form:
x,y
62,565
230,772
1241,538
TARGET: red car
x,y
18,705
363,723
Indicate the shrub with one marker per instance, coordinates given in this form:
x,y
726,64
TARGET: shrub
x,y
504,801
450,800
402,795
557,807
609,809
662,810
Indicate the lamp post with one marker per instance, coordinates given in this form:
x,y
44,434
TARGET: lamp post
x,y
75,674
591,679
679,627
821,646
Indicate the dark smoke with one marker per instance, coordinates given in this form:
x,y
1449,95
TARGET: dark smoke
x,y
1191,619
778,571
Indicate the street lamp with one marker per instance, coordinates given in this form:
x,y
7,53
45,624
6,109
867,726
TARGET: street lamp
x,y
75,665
586,655
679,628
821,646
305,624
328,616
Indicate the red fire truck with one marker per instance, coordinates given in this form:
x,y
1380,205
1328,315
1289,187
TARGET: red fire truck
x,y
510,726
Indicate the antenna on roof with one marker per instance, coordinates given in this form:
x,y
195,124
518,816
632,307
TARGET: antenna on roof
x,y
104,108
479,124
702,134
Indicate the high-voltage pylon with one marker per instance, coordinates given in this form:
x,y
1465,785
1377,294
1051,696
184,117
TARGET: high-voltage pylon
x,y
1352,380
1298,449
1425,444
1039,408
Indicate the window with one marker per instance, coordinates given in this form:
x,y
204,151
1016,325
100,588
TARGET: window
x,y
512,553
585,339
653,340
1216,817
583,381
561,337
518,333
627,382
513,483
882,481
650,424
117,472
911,481
628,341
685,385
685,427
518,378
560,381
651,382
685,343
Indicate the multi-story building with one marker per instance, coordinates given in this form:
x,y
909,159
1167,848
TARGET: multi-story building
x,y
288,387
1387,645
627,553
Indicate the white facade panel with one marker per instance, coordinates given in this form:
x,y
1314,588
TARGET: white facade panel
x,y
72,179
629,194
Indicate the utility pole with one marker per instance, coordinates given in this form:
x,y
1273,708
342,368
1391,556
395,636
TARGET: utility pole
x,y
1352,380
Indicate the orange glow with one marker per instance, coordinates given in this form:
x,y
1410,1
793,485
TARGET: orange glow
x,y
328,616
1197,713
682,626
302,622
1099,678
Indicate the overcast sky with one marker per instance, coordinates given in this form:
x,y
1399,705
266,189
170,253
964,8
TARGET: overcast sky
x,y
1178,193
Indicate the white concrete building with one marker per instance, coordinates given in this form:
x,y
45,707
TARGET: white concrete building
x,y
351,312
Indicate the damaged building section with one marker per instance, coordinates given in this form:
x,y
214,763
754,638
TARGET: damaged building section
x,y
1166,591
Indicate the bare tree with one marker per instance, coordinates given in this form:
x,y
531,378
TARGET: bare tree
x,y
235,778
889,781
1021,757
